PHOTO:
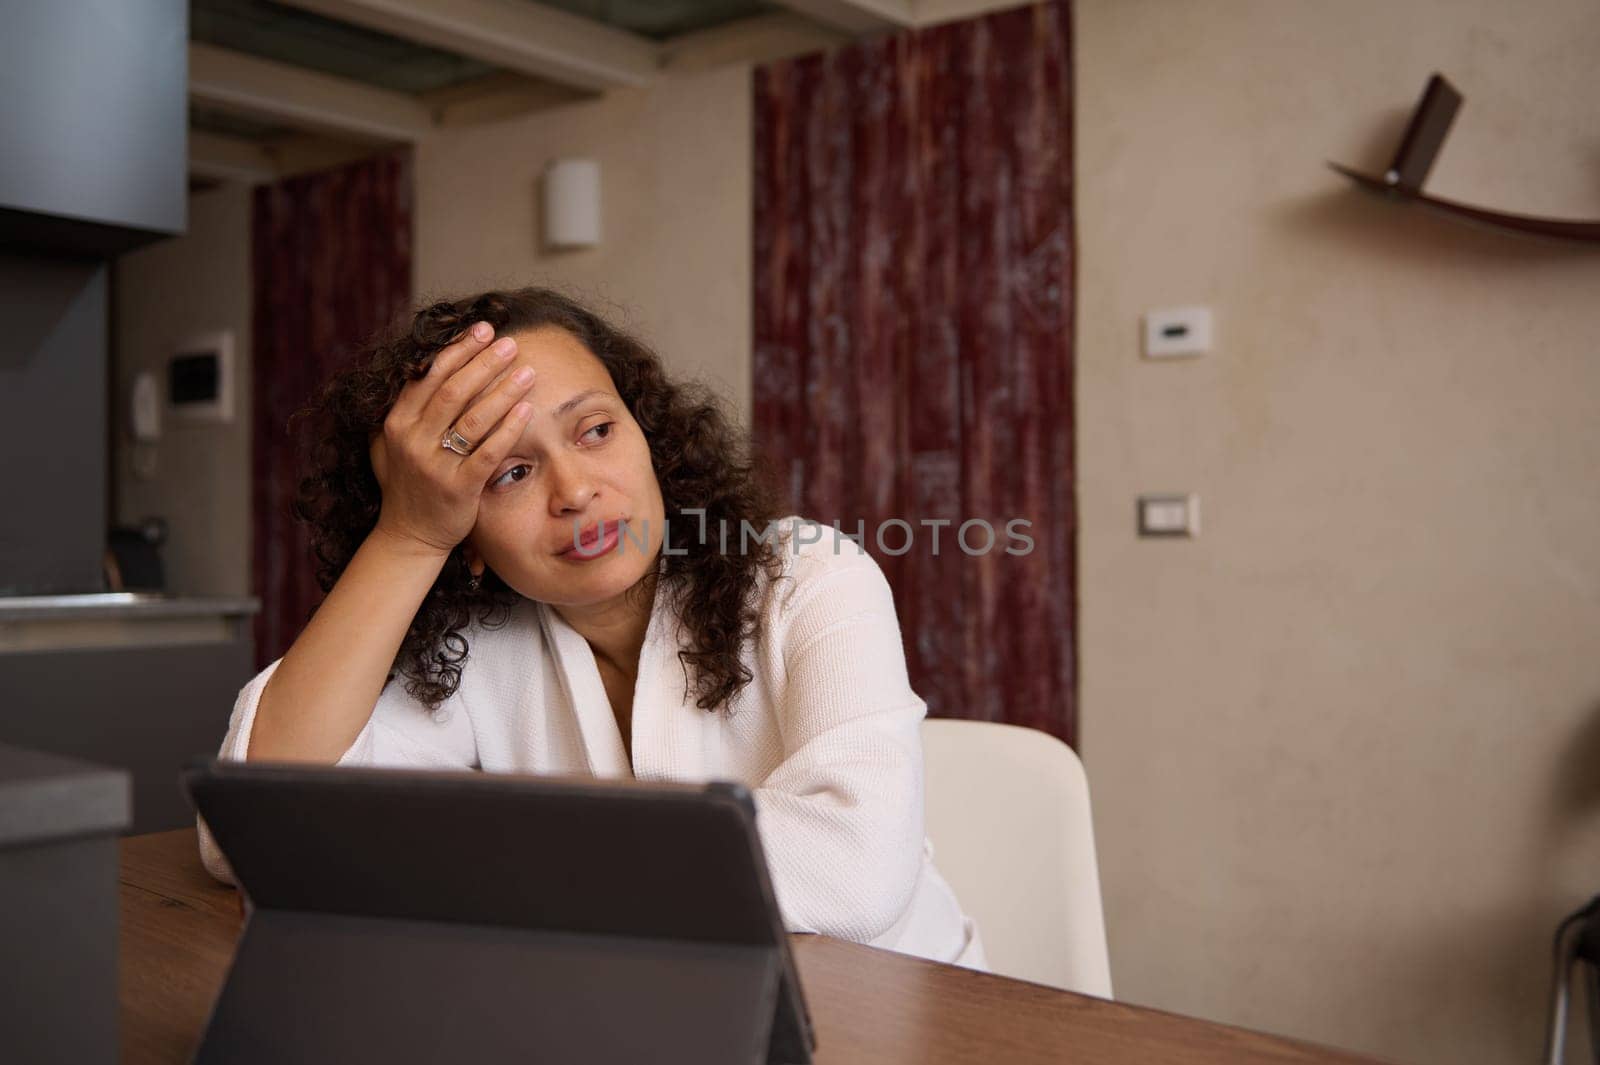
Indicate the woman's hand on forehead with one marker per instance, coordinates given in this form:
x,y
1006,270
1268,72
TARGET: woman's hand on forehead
x,y
446,434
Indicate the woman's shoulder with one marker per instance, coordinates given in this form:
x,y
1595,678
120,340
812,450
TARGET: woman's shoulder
x,y
503,636
815,558
490,643
812,547
510,624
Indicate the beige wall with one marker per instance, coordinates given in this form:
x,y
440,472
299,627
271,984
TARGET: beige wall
x,y
200,477
1344,745
674,262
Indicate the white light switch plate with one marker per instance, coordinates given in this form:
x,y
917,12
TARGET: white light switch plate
x,y
1169,515
1177,333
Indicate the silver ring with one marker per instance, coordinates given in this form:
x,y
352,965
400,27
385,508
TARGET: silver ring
x,y
454,441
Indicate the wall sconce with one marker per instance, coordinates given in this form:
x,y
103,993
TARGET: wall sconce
x,y
572,203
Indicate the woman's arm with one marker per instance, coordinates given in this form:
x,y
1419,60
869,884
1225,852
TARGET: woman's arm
x,y
398,731
324,690
336,707
841,818
322,693
327,698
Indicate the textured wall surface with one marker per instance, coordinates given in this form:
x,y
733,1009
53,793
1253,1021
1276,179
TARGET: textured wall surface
x,y
198,472
913,339
1344,746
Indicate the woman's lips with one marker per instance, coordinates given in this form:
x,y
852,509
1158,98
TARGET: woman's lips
x,y
594,542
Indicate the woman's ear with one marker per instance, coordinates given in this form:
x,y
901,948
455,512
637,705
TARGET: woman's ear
x,y
474,561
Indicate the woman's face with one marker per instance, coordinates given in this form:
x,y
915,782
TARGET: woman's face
x,y
582,461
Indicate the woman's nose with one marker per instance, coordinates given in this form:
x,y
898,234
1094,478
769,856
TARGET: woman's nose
x,y
571,488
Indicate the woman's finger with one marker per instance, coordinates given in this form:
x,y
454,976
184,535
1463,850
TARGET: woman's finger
x,y
480,418
415,395
479,466
450,399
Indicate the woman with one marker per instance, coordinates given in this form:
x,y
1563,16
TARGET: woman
x,y
490,504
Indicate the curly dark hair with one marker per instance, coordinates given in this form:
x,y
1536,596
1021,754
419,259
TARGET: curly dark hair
x,y
701,461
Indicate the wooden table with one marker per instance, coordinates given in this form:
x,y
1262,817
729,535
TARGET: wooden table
x,y
869,1006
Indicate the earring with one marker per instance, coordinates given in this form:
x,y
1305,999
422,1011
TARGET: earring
x,y
474,582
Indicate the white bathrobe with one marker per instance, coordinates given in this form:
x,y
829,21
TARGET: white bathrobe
x,y
826,735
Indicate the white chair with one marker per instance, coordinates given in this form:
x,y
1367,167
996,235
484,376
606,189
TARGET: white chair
x,y
1008,814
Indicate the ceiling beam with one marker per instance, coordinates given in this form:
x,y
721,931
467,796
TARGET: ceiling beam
x,y
758,39
302,98
857,16
300,153
229,159
525,37
494,97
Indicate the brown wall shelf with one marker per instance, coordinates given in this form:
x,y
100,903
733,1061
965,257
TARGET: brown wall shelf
x,y
1424,136
1565,229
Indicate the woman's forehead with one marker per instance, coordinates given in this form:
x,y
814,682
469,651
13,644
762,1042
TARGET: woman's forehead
x,y
562,365
557,355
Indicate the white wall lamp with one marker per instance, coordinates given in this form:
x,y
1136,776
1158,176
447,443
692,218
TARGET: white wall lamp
x,y
571,204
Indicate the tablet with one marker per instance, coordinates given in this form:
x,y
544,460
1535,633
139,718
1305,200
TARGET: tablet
x,y
410,916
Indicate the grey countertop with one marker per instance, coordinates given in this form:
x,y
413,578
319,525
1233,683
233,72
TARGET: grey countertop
x,y
131,606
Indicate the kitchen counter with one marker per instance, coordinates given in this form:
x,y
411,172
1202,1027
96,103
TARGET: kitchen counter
x,y
137,681
120,605
119,619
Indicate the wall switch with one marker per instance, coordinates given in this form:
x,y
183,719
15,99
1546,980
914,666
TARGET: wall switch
x,y
1178,332
1169,515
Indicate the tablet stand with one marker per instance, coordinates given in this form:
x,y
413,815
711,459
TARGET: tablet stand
x,y
322,987
405,917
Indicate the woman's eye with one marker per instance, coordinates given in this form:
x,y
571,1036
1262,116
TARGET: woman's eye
x,y
596,429
511,476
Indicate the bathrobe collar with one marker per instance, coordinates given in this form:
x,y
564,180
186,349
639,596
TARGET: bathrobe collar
x,y
656,699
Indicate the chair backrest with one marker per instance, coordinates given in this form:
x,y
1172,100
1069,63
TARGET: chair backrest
x,y
1008,814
